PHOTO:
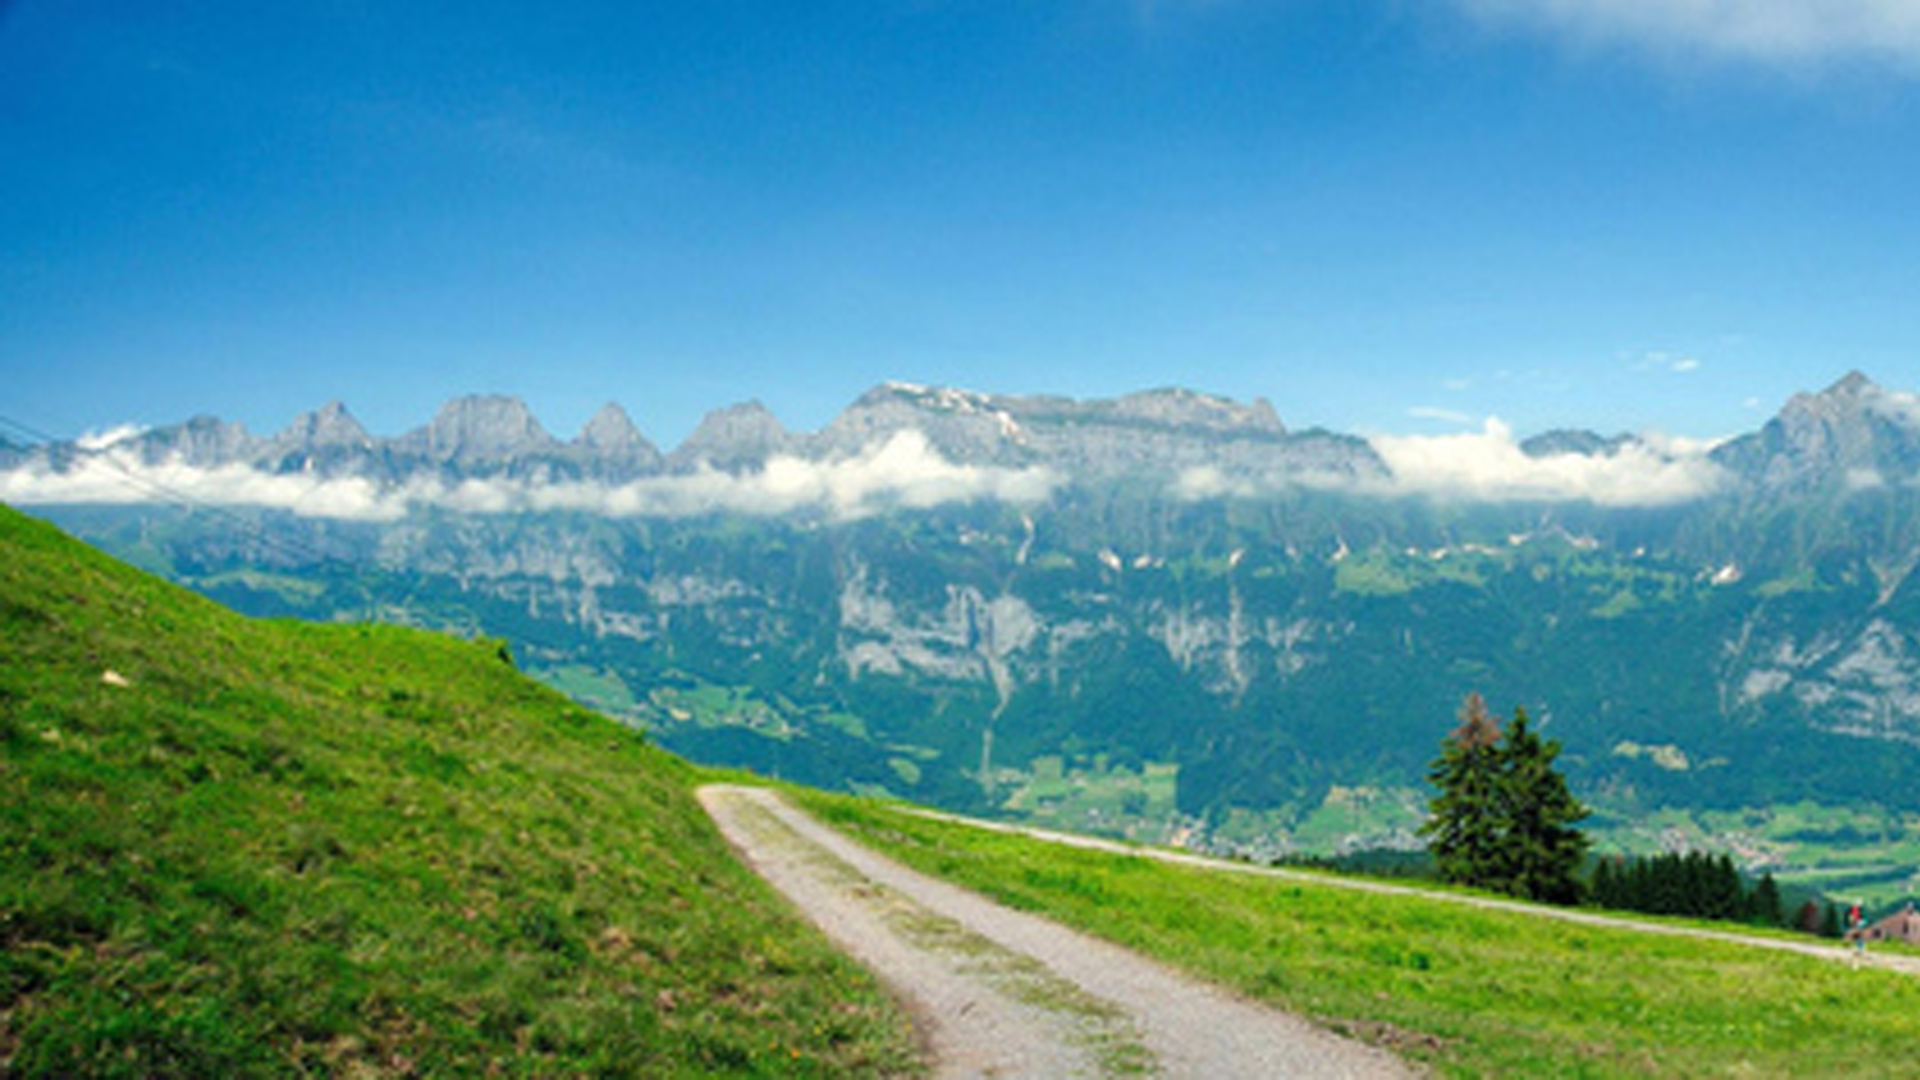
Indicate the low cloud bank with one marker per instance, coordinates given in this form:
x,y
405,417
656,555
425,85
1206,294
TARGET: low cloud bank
x,y
1763,31
1489,466
904,471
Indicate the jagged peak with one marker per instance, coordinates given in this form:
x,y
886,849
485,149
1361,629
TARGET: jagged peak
x,y
484,425
1853,384
329,425
740,434
610,428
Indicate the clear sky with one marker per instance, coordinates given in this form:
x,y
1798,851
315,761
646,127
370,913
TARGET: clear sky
x,y
1383,215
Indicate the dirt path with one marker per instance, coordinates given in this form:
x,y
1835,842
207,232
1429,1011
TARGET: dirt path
x,y
998,992
1907,964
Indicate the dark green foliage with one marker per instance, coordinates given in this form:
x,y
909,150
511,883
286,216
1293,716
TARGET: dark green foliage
x,y
1466,832
1695,885
1764,906
1504,816
1830,922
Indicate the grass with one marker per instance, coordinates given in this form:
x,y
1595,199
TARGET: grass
x,y
1469,992
246,848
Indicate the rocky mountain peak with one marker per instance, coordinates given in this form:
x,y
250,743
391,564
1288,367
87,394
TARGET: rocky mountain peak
x,y
1173,407
611,447
331,425
204,441
483,427
1853,432
733,439
611,430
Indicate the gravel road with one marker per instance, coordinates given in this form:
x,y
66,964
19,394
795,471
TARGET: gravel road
x,y
996,992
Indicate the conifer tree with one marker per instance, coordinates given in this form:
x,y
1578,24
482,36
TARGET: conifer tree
x,y
1830,924
1606,890
1764,906
1466,833
1542,848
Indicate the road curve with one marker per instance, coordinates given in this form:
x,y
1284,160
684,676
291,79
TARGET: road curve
x,y
998,992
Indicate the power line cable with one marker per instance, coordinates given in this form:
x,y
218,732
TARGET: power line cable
x,y
290,547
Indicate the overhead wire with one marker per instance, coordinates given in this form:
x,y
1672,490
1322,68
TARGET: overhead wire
x,y
286,545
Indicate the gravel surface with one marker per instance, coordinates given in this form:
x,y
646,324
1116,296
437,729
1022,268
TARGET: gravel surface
x,y
996,992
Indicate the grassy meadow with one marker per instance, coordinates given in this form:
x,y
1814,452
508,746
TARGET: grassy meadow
x,y
239,848
1468,992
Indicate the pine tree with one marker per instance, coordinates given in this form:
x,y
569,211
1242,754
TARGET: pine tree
x,y
1830,925
1465,832
1543,850
1606,888
1764,906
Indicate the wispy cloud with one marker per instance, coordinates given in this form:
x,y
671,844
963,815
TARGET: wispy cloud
x,y
1434,412
1775,32
1675,363
1488,465
904,471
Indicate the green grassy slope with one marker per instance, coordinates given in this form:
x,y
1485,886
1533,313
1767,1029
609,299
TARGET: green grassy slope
x,y
283,848
1469,992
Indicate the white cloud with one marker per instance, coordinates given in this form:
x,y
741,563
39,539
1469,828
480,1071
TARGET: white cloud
x,y
1489,465
904,471
116,477
1204,482
1790,32
1901,406
1865,480
100,440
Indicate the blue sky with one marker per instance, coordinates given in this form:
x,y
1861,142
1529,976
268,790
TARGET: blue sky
x,y
1383,215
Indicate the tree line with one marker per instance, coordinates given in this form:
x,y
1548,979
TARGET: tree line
x,y
1696,884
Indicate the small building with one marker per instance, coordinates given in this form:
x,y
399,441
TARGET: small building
x,y
1900,926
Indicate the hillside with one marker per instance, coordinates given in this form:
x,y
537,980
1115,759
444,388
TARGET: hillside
x,y
256,848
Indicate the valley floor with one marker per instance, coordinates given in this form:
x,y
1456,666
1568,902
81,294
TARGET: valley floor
x,y
1001,992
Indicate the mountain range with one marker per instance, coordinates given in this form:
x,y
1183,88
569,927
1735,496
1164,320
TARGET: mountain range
x,y
1166,614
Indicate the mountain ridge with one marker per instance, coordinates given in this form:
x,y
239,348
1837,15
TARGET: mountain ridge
x,y
1853,433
